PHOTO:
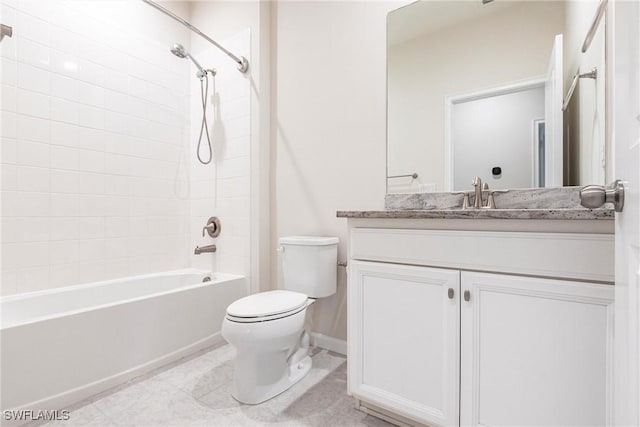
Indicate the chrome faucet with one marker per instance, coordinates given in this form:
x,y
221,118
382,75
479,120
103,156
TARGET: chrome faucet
x,y
477,188
202,249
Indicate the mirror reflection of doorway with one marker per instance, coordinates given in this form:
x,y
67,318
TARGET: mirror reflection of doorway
x,y
539,152
492,137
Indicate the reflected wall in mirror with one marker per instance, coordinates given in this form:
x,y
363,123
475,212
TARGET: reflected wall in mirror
x,y
477,90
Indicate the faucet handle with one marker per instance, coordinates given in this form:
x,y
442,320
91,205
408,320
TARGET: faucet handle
x,y
213,227
477,181
491,201
466,204
209,229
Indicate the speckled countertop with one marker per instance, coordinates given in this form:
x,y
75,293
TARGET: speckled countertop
x,y
573,214
533,203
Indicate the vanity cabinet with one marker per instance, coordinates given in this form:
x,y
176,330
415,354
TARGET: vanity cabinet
x,y
404,343
486,343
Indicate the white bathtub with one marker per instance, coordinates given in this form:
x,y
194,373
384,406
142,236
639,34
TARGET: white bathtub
x,y
63,345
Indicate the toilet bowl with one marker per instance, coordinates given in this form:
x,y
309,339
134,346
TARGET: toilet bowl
x,y
271,350
267,329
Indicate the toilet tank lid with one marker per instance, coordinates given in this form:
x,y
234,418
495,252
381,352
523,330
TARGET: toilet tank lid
x,y
308,240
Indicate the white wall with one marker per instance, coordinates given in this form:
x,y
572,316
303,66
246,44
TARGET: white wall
x,y
94,116
496,131
329,126
492,51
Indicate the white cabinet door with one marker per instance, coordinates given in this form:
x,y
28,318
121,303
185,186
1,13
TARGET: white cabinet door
x,y
404,339
535,351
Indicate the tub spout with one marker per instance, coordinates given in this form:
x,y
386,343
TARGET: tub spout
x,y
209,248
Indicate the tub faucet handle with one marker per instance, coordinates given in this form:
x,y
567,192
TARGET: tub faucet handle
x,y
208,228
213,227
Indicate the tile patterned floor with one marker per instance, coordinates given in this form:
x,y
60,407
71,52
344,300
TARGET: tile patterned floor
x,y
196,392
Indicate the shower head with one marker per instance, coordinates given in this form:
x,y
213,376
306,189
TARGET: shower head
x,y
179,51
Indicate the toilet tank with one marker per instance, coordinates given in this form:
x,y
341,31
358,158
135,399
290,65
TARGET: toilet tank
x,y
309,265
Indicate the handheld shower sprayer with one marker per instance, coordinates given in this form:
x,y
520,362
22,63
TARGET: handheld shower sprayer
x,y
179,51
202,74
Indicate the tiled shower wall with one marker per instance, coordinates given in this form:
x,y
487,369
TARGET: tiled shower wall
x,y
222,190
95,118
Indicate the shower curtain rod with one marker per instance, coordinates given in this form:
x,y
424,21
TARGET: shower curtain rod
x,y
243,64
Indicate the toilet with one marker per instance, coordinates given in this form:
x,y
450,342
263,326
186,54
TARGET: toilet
x,y
267,329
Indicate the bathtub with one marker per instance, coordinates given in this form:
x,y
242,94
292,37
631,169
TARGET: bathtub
x,y
63,345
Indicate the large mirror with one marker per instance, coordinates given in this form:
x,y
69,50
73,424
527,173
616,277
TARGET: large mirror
x,y
478,88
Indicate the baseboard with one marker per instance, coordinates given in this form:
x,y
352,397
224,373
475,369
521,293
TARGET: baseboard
x,y
67,398
329,343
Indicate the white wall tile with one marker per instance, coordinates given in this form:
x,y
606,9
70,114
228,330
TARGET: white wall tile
x,y
64,63
63,39
9,48
91,250
8,150
23,255
33,103
61,275
32,279
20,229
32,28
64,205
9,70
9,124
32,154
96,144
64,228
91,139
24,178
65,111
33,53
64,181
66,158
91,94
25,204
33,78
91,227
91,116
64,134
91,161
8,98
37,8
65,87
33,128
63,252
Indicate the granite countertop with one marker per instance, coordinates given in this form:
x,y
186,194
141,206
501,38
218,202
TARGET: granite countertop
x,y
573,214
533,203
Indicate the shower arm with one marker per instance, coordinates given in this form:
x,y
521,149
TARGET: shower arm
x,y
243,64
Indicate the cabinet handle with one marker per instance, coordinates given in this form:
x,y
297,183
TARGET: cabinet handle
x,y
450,293
467,295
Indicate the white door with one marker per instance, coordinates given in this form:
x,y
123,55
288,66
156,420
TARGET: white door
x,y
626,136
553,92
404,336
535,352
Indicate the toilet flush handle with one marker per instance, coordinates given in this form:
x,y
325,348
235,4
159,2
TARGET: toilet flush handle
x,y
280,249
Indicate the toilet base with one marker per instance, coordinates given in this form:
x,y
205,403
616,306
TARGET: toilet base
x,y
295,372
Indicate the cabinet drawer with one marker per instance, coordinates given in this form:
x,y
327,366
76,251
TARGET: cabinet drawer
x,y
562,255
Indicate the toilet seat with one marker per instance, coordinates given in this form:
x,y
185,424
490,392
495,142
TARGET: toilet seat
x,y
266,306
